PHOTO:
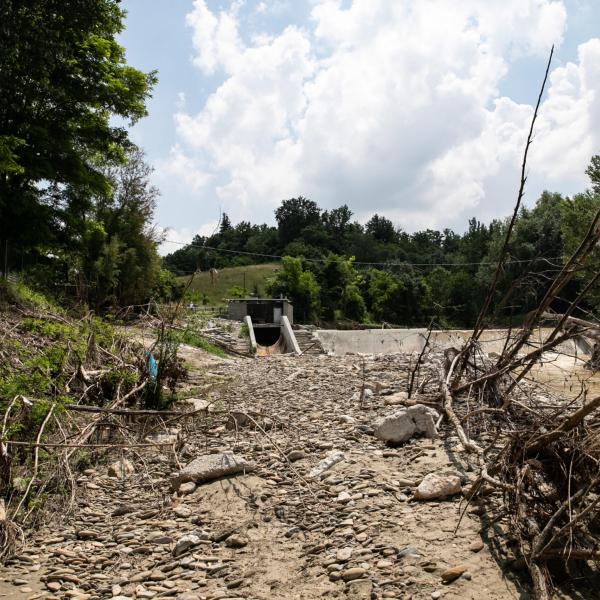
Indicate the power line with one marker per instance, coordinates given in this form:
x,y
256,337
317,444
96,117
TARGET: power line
x,y
380,264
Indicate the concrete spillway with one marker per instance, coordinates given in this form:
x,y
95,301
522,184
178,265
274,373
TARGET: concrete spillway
x,y
272,338
403,341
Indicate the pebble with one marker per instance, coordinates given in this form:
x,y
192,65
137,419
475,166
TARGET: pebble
x,y
453,573
353,573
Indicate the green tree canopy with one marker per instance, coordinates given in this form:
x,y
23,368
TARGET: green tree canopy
x,y
63,77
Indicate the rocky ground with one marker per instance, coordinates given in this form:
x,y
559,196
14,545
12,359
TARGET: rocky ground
x,y
277,531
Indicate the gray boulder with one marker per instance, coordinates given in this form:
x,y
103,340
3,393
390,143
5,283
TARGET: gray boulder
x,y
406,423
211,466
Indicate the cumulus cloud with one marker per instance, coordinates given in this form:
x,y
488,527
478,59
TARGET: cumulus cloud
x,y
388,106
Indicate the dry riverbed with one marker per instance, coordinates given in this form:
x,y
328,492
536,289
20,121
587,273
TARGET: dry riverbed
x,y
275,532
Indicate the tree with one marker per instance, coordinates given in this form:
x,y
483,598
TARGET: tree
x,y
381,229
293,216
225,224
63,77
116,242
593,172
297,284
340,295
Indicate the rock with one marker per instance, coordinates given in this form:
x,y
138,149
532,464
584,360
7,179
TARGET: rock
x,y
409,551
187,488
406,423
344,554
436,595
395,399
87,534
295,455
121,468
437,486
347,419
236,541
476,546
332,459
343,497
199,404
182,510
185,543
212,466
453,573
53,586
359,590
165,439
353,573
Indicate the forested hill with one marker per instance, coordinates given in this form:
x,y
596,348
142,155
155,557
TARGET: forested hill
x,y
335,268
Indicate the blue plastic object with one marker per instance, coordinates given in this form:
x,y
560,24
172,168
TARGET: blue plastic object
x,y
152,365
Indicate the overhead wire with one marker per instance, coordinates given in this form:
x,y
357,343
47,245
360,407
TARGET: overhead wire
x,y
395,262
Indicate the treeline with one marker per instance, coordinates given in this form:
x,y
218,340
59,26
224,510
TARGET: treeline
x,y
76,204
336,268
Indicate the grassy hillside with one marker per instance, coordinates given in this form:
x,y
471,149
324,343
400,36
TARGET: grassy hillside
x,y
255,275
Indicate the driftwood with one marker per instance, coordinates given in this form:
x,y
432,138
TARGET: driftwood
x,y
545,457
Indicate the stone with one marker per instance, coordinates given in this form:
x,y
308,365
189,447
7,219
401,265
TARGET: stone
x,y
359,590
344,554
404,424
182,510
87,534
409,551
185,543
236,541
353,573
343,497
121,468
329,461
476,546
436,595
295,455
438,486
165,439
211,466
395,399
53,586
199,404
453,573
187,488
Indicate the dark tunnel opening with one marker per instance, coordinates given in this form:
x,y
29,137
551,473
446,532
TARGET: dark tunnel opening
x,y
266,336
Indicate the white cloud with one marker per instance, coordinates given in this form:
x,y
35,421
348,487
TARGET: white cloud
x,y
177,238
389,106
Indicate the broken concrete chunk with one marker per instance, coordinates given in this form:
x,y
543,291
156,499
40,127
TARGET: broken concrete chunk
x,y
438,486
403,424
212,466
331,459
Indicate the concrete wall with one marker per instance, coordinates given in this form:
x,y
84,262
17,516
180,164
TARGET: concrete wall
x,y
402,341
371,341
288,335
236,311
248,322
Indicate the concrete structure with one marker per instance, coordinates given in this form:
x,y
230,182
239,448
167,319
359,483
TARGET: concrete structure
x,y
402,341
261,310
288,336
251,336
269,322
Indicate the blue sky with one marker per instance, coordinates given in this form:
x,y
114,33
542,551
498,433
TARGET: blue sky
x,y
415,108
